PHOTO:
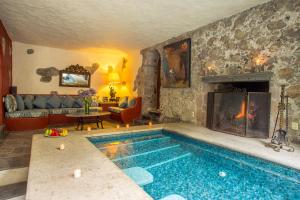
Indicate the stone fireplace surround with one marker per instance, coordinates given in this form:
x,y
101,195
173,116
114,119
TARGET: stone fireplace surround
x,y
263,39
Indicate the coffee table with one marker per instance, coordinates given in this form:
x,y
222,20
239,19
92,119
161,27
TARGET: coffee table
x,y
94,117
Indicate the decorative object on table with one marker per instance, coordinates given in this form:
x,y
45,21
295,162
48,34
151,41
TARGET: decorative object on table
x,y
176,64
53,132
112,93
75,76
113,78
104,99
87,98
47,73
117,99
280,139
127,126
118,126
89,128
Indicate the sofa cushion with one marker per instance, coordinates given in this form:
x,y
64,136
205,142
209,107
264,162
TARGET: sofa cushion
x,y
40,102
33,113
131,102
67,102
10,103
53,101
28,101
92,109
20,102
78,103
115,109
123,103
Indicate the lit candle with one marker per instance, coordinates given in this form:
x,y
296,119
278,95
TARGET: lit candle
x,y
118,126
77,173
89,128
127,125
61,147
150,123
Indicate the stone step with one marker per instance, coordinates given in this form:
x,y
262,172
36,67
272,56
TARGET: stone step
x,y
12,176
13,191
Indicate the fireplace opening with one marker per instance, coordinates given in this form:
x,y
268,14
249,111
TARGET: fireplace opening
x,y
240,108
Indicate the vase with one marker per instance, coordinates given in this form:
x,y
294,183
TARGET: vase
x,y
87,108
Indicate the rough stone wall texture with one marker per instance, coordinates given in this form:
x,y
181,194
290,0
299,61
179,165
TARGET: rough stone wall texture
x,y
146,81
263,38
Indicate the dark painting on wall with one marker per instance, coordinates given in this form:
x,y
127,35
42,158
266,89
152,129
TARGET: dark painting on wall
x,y
176,64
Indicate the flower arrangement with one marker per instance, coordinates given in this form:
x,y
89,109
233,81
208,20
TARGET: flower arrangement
x,y
87,97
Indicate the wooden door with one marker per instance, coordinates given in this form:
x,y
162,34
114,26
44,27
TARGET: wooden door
x,y
5,67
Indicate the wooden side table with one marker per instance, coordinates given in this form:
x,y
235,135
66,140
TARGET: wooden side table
x,y
105,105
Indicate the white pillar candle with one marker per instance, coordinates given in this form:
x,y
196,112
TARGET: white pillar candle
x,y
127,125
118,126
61,147
77,173
89,128
150,123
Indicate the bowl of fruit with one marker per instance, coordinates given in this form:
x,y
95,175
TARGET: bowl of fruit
x,y
54,132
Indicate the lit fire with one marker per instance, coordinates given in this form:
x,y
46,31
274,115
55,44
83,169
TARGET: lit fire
x,y
242,112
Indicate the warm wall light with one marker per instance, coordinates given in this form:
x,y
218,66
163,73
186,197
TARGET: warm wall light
x,y
260,59
113,78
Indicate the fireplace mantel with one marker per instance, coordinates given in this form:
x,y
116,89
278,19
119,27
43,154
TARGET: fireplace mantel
x,y
248,77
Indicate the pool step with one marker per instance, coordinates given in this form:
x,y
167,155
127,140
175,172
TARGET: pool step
x,y
153,158
134,143
168,161
13,190
148,152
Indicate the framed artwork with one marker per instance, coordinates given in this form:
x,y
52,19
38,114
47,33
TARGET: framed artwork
x,y
176,65
74,76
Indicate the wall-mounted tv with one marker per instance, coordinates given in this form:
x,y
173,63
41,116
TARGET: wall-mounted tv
x,y
68,79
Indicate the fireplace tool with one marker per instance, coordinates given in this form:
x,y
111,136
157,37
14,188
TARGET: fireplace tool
x,y
280,139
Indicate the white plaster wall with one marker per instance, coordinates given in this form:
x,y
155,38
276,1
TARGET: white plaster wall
x,y
28,82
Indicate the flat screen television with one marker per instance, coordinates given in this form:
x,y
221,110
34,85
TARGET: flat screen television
x,y
74,79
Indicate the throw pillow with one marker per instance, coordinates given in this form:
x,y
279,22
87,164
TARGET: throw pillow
x,y
20,102
10,103
28,101
131,102
53,101
40,102
123,102
67,102
78,103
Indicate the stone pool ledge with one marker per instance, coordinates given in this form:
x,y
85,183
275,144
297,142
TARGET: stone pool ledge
x,y
252,146
51,172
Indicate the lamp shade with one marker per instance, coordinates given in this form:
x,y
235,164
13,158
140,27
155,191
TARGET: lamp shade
x,y
113,77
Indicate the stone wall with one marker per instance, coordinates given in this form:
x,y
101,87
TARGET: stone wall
x,y
263,38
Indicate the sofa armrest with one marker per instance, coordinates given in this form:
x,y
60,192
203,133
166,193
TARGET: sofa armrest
x,y
130,114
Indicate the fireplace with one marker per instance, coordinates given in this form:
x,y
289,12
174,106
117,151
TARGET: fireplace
x,y
240,108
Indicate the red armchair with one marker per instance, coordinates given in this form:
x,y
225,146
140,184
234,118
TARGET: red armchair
x,y
127,115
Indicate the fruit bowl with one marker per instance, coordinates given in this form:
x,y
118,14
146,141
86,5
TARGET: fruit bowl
x,y
54,132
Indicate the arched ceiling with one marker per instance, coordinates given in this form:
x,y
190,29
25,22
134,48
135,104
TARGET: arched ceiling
x,y
119,24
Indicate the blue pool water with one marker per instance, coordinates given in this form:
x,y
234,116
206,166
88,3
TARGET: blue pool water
x,y
197,170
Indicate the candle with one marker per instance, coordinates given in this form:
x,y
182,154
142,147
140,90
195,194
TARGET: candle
x,y
61,147
127,125
150,123
118,126
77,173
89,128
